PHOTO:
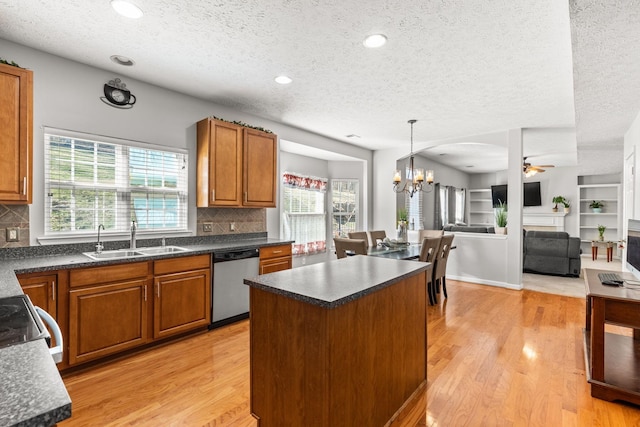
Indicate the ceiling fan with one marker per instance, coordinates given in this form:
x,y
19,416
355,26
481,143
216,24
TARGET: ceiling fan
x,y
530,170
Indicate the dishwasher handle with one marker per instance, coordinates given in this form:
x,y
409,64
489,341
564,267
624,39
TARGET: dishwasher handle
x,y
235,255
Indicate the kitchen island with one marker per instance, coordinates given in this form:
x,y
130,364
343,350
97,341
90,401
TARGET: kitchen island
x,y
339,343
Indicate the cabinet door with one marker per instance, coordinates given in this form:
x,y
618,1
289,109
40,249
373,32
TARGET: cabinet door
x,y
219,164
259,180
16,127
107,319
182,302
42,291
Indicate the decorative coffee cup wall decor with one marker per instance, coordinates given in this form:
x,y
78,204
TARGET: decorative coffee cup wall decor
x,y
117,95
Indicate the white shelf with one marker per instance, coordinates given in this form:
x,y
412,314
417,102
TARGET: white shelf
x,y
610,195
481,206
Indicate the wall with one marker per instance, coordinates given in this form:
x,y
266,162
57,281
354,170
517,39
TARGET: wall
x,y
631,180
67,95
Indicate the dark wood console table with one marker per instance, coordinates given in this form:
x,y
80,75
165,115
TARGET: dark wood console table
x,y
613,367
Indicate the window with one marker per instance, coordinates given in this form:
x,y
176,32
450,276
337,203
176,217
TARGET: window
x,y
413,205
344,201
92,180
452,205
304,213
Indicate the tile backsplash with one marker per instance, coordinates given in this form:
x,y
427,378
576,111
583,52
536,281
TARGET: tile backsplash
x,y
250,220
253,220
14,217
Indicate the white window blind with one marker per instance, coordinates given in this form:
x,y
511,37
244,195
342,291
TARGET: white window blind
x,y
92,180
413,205
304,213
345,211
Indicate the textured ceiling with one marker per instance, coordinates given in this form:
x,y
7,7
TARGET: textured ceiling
x,y
460,67
606,57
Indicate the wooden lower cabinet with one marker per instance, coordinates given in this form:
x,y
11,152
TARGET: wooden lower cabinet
x,y
107,319
275,258
41,291
120,307
182,298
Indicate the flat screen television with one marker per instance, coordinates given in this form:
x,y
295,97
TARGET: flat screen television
x,y
633,247
531,194
498,194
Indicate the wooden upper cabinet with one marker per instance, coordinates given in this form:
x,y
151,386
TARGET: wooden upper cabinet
x,y
236,166
16,134
259,179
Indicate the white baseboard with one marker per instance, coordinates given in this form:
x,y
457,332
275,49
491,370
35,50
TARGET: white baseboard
x,y
470,279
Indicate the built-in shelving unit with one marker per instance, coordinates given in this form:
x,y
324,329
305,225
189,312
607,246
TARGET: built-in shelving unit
x,y
480,207
610,217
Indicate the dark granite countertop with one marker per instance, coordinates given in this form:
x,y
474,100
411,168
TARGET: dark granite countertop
x,y
32,392
331,284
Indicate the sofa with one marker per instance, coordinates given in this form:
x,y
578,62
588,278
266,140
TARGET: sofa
x,y
470,228
551,252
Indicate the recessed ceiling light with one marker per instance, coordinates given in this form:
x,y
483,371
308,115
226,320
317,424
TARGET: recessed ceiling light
x,y
122,60
127,9
283,80
375,40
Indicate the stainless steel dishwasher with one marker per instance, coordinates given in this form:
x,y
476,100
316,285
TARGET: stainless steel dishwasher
x,y
230,296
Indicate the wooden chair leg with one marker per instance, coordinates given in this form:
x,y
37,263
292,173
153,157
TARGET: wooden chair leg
x,y
432,295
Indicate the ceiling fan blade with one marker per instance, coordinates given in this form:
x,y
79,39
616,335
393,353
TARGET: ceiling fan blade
x,y
544,166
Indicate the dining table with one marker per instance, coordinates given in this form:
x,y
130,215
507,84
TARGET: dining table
x,y
405,252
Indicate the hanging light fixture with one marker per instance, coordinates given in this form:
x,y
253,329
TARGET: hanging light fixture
x,y
415,177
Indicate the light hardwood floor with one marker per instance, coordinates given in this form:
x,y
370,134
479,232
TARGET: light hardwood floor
x,y
496,357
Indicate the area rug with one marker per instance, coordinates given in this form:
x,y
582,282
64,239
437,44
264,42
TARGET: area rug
x,y
567,286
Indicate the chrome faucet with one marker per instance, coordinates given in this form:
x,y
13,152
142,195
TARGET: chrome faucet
x,y
99,245
133,234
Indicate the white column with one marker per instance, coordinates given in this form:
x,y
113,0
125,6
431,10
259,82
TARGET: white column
x,y
514,215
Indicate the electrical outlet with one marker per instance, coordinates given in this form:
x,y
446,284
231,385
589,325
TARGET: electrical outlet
x,y
232,226
207,227
13,234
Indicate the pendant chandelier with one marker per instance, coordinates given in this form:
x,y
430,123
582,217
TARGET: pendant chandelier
x,y
415,177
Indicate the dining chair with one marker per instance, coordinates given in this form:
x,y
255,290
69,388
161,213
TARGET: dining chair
x,y
375,235
440,267
429,233
359,246
428,252
358,235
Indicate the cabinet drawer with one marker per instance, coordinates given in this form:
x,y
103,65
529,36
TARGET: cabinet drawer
x,y
276,264
108,273
177,265
275,251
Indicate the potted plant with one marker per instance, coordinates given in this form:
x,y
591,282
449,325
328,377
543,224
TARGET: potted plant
x,y
596,206
601,229
556,200
501,218
567,204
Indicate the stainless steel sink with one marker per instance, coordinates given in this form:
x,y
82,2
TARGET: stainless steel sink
x,y
116,254
160,250
129,253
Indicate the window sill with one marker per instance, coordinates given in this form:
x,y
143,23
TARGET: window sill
x,y
107,237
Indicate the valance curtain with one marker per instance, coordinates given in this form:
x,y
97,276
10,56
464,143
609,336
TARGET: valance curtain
x,y
304,216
